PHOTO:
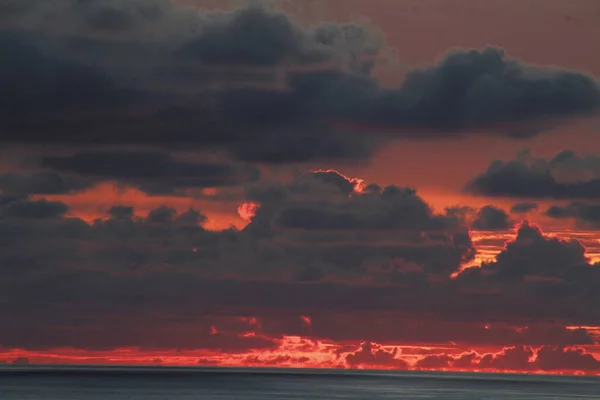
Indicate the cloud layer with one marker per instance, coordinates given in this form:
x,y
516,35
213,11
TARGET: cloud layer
x,y
178,102
250,82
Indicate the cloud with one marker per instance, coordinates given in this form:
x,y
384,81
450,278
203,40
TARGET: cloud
x,y
20,361
566,175
539,268
476,88
486,218
351,227
167,274
584,214
491,218
561,358
42,183
331,201
121,212
523,208
39,82
374,355
532,254
518,358
251,82
513,358
153,172
390,328
37,209
391,208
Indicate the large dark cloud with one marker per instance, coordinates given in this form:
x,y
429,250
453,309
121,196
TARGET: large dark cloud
x,y
352,227
523,207
73,282
249,81
541,265
566,175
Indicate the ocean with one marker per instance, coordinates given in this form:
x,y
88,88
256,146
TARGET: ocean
x,y
159,383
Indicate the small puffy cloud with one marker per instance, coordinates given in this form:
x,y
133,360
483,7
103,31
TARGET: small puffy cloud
x,y
491,218
523,207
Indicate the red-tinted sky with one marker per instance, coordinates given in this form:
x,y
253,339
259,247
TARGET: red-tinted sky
x,y
418,180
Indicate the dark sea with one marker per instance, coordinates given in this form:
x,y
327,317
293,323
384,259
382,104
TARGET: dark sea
x,y
154,383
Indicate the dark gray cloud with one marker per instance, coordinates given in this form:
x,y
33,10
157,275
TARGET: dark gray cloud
x,y
42,183
488,217
152,172
121,212
392,207
566,175
36,209
249,81
491,218
584,214
352,227
483,88
534,257
36,81
523,207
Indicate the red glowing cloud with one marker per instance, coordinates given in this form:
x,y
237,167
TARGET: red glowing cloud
x,y
248,210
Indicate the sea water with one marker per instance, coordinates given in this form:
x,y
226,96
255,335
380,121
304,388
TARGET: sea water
x,y
154,383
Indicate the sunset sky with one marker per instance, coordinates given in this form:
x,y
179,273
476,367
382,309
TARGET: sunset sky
x,y
375,184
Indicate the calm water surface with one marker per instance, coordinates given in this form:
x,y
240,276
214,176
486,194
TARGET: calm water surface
x,y
154,383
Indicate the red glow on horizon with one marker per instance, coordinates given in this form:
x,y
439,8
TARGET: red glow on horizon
x,y
300,352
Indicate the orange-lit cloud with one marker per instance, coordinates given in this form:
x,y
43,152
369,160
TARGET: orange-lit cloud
x,y
359,185
95,202
248,210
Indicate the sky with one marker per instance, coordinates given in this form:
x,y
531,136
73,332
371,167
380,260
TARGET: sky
x,y
324,184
